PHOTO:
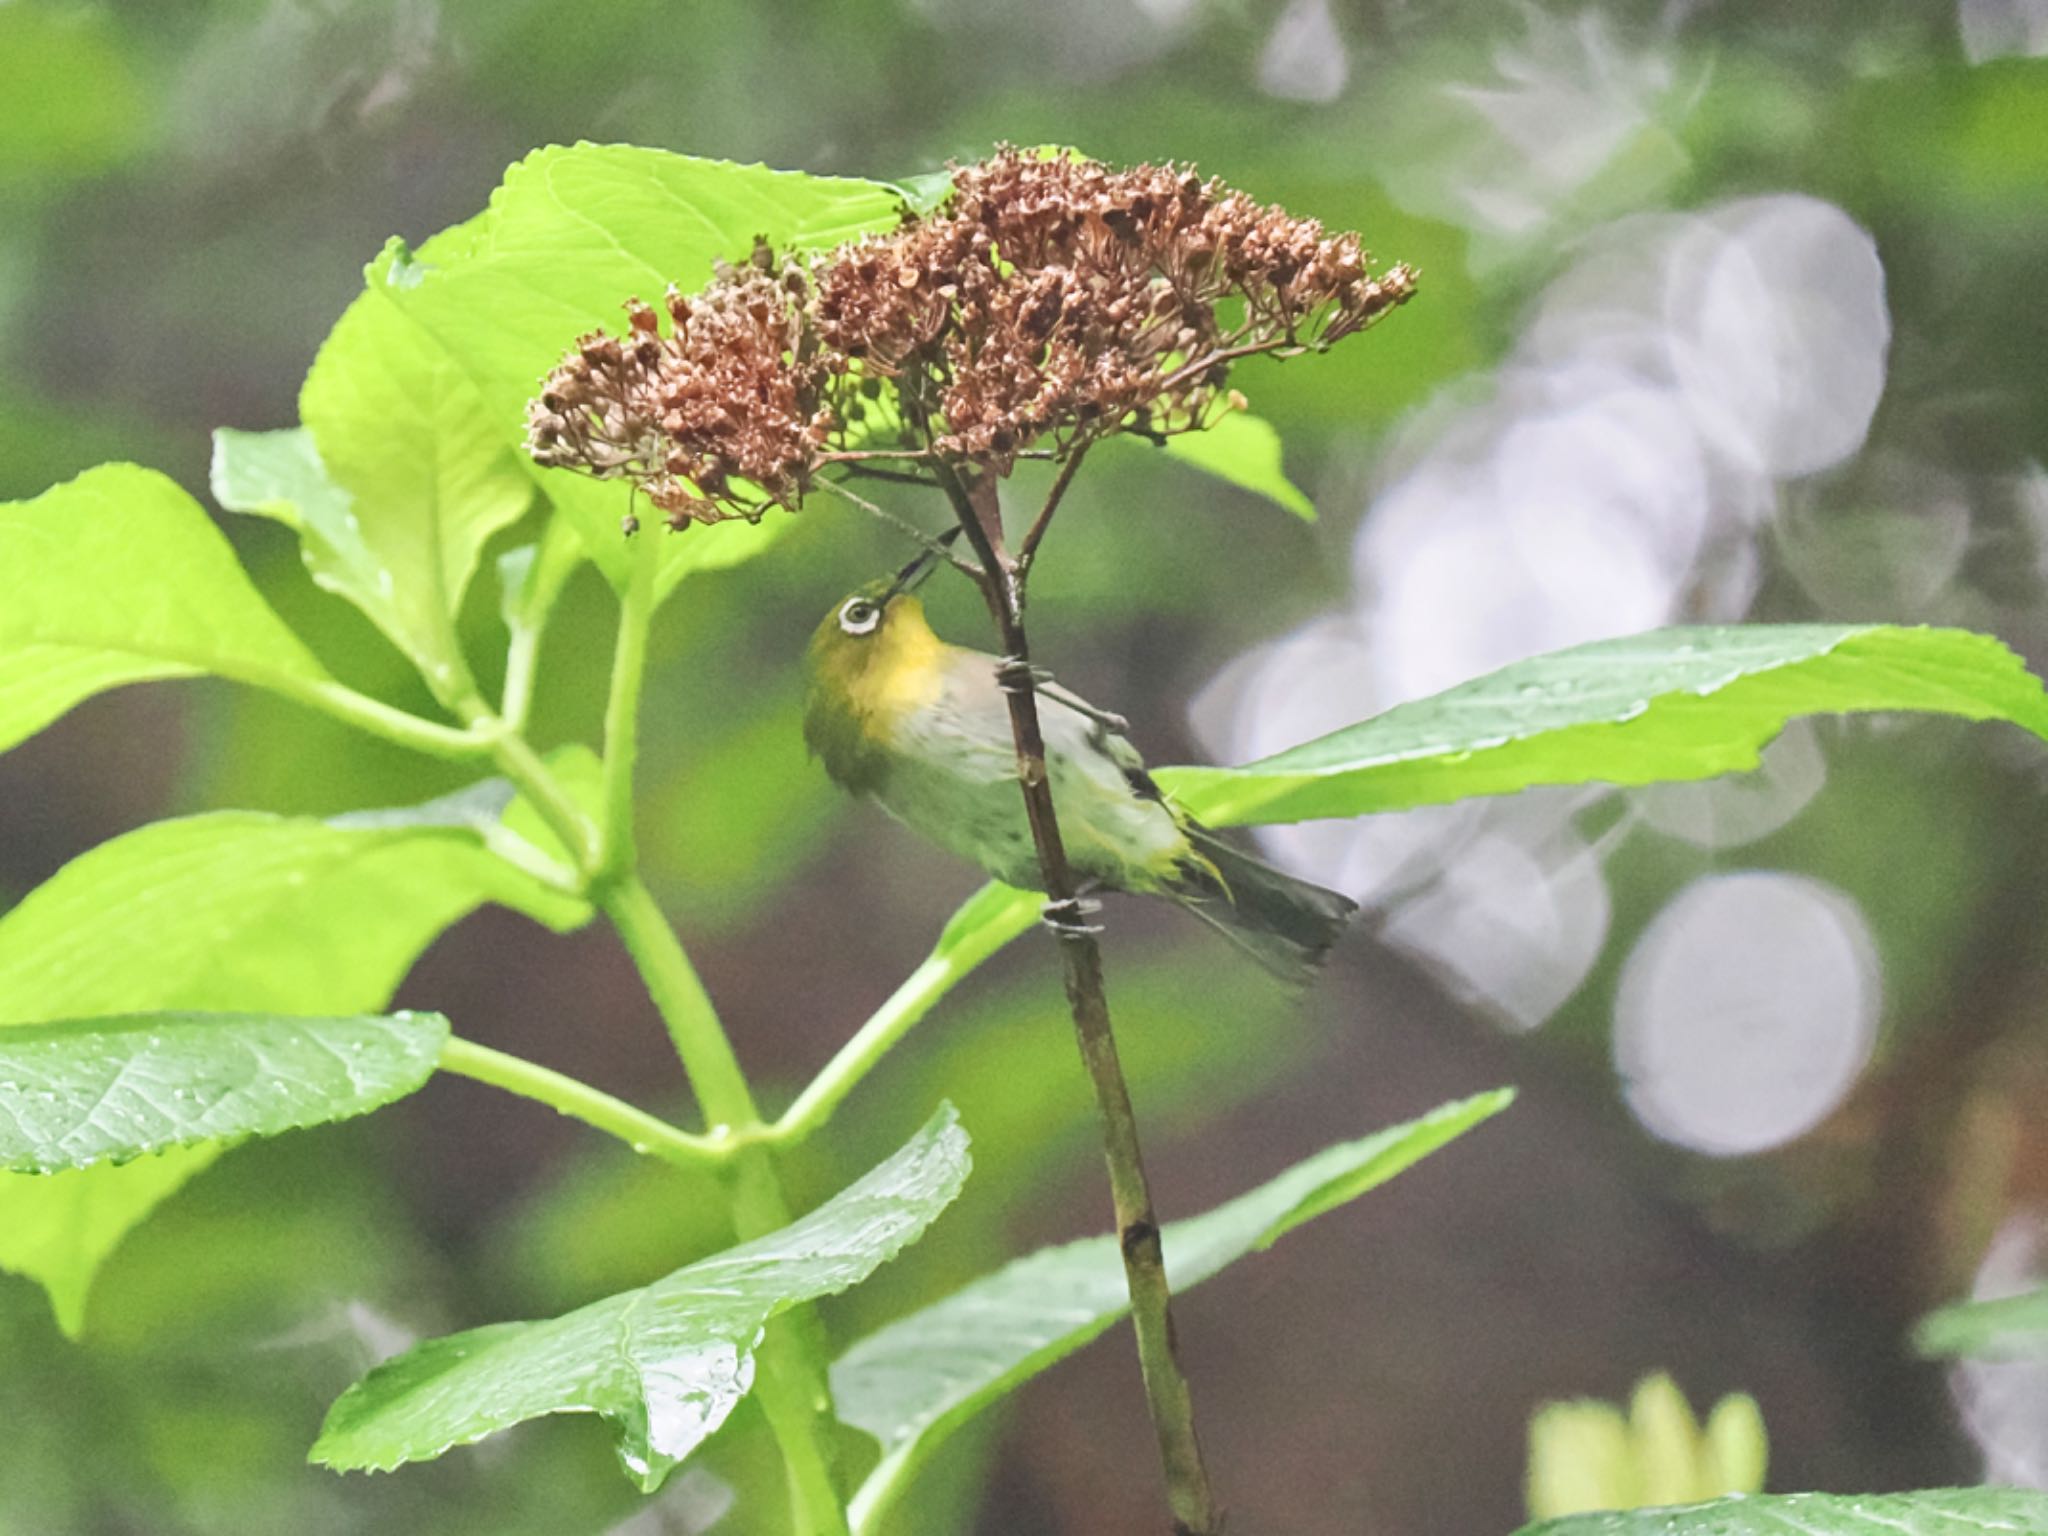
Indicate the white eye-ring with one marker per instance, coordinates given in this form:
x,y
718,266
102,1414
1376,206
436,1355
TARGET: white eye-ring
x,y
858,616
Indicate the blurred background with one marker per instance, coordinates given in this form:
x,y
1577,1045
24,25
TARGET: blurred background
x,y
1728,311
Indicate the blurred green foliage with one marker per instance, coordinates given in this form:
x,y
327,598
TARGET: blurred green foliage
x,y
188,193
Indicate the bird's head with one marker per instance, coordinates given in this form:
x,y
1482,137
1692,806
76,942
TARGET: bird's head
x,y
876,628
871,658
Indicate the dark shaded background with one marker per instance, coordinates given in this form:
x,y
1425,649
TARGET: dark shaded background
x,y
1728,311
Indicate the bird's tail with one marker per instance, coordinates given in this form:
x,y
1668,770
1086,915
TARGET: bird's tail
x,y
1286,924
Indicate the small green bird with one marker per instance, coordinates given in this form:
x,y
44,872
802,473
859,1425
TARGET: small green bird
x,y
923,728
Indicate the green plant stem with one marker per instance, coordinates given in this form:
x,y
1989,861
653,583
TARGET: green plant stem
x,y
377,718
579,1101
521,657
622,707
684,1005
895,1018
563,816
791,1384
879,1491
519,762
483,734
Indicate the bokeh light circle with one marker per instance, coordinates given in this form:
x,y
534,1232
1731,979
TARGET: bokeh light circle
x,y
1746,1011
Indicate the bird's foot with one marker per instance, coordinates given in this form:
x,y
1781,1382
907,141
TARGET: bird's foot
x,y
1068,919
1049,687
1016,675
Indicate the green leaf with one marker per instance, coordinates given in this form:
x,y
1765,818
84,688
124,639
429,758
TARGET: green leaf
x,y
417,476
2008,1327
1672,704
914,1382
1244,450
665,1364
279,475
571,234
86,1091
926,192
233,911
117,577
987,920
1939,1512
531,578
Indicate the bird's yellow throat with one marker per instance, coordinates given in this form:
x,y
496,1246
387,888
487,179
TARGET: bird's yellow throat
x,y
862,686
900,667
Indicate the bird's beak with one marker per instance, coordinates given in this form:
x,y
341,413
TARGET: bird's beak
x,y
912,576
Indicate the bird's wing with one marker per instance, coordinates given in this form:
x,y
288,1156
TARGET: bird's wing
x,y
1080,724
1072,727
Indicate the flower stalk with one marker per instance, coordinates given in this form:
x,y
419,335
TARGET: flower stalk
x,y
1167,1394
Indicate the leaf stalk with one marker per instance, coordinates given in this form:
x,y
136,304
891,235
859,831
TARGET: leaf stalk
x,y
644,1133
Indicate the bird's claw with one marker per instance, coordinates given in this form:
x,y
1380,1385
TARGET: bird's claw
x,y
1016,675
1068,919
1049,687
1115,724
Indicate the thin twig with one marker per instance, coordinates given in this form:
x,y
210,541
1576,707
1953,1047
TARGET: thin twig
x,y
1028,550
862,455
909,529
1210,360
1166,1388
893,476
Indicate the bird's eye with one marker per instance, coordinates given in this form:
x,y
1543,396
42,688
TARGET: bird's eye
x,y
858,616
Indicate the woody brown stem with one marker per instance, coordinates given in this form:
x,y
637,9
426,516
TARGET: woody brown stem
x,y
1166,1388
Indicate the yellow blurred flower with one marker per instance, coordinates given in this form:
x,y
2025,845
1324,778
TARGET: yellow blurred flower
x,y
1584,1455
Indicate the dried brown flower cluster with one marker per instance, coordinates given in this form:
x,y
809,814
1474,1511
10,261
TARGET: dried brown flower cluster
x,y
1051,301
1061,298
735,391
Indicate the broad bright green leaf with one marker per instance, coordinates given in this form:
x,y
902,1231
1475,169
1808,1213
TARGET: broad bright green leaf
x,y
1938,1512
2009,1326
116,577
573,232
85,1091
925,192
279,475
1672,704
229,911
985,922
59,1228
916,1381
665,1364
531,578
1244,450
419,476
